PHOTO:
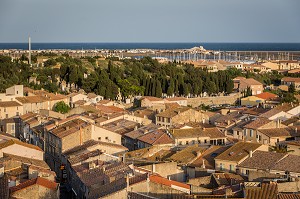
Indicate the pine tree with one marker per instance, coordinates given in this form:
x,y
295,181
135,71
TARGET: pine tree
x,y
158,90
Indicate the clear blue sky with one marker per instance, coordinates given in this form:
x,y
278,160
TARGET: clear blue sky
x,y
150,20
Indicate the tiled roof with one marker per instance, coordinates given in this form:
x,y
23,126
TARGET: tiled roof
x,y
109,109
121,126
289,163
28,116
170,183
150,98
187,155
171,112
276,110
38,181
208,157
257,123
24,160
251,81
238,151
69,128
156,137
288,196
262,160
141,131
267,191
291,121
85,156
9,104
13,141
32,99
291,79
197,132
281,132
227,179
266,95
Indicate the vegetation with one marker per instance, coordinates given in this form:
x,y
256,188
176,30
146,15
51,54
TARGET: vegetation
x,y
61,107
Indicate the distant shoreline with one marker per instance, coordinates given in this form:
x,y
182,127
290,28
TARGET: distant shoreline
x,y
155,46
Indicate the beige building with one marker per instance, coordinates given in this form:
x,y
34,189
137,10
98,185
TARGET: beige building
x,y
199,136
11,93
241,84
232,157
291,80
33,103
10,109
180,115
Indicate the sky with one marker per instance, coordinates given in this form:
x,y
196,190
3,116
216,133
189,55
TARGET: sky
x,y
150,20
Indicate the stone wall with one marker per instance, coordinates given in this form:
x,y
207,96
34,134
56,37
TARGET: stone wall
x,y
195,102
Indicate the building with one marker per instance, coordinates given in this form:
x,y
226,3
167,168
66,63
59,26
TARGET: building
x,y
265,99
232,157
35,188
157,137
241,84
10,109
199,136
291,80
180,115
11,93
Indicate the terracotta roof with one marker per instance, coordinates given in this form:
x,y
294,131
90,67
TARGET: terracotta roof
x,y
121,126
170,183
69,128
226,179
150,98
262,160
24,160
288,196
208,156
266,95
36,181
281,132
251,81
276,110
13,141
267,191
156,137
32,99
291,79
109,109
28,116
257,123
197,132
171,112
9,104
238,151
289,163
141,131
188,154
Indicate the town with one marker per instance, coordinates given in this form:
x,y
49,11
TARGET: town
x,y
107,126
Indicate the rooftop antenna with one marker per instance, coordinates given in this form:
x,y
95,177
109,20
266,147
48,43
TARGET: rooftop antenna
x,y
29,48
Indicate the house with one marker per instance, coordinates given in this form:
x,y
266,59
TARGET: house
x,y
16,147
274,136
249,130
10,109
11,126
288,64
232,157
241,84
11,93
270,162
282,112
129,139
62,136
265,99
182,101
76,98
35,188
225,123
199,136
149,101
180,115
93,98
157,137
291,80
33,103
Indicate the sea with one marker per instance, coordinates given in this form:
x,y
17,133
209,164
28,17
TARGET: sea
x,y
158,46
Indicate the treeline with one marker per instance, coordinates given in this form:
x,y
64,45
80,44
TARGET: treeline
x,y
128,77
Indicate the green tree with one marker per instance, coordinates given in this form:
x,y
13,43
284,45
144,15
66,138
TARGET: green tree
x,y
292,88
61,107
158,90
171,88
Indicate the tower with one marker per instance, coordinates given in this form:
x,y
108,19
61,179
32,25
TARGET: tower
x,y
29,48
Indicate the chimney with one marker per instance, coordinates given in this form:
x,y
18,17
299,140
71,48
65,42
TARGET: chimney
x,y
153,168
56,122
250,153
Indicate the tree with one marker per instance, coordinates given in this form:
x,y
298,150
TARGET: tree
x,y
280,149
61,107
171,88
292,88
158,90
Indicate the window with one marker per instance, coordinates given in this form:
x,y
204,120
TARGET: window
x,y
199,141
180,143
277,139
221,167
4,110
205,141
187,142
106,138
237,133
231,167
99,138
245,132
247,172
13,127
251,132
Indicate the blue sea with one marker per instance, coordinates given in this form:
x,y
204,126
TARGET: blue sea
x,y
167,46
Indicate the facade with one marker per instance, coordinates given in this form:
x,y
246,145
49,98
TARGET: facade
x,y
11,93
10,109
291,80
180,115
232,157
241,84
